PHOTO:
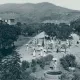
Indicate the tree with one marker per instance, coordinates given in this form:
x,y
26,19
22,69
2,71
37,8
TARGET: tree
x,y
50,29
18,24
26,74
61,31
25,65
31,29
8,34
68,61
76,26
33,65
41,62
67,76
76,76
64,31
10,67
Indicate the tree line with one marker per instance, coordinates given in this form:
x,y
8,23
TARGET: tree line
x,y
61,31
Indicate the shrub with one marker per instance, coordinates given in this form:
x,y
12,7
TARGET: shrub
x,y
76,75
33,65
25,65
34,69
68,61
48,57
42,65
44,60
66,76
41,62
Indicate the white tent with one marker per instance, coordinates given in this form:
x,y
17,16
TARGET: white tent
x,y
54,59
41,35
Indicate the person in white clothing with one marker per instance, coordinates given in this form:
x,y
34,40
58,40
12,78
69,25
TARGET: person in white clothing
x,y
34,53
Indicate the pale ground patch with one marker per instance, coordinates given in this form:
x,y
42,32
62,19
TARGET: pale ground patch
x,y
27,55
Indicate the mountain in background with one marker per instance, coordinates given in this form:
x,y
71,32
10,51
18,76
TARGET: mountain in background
x,y
36,13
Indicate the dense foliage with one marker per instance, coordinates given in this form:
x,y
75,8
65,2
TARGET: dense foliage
x,y
68,61
10,67
25,65
44,60
30,29
76,26
8,34
60,31
67,76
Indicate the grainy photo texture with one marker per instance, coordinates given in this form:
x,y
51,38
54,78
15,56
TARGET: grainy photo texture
x,y
39,40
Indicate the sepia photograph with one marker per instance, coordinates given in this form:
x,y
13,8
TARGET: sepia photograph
x,y
39,39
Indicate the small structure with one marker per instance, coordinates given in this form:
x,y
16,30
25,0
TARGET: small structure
x,y
7,21
11,21
53,74
41,37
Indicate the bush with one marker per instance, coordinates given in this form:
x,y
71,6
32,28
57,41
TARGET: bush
x,y
25,65
10,68
68,61
48,57
66,76
44,60
26,75
76,76
41,62
34,69
33,65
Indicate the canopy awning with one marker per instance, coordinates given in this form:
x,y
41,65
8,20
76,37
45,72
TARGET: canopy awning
x,y
41,35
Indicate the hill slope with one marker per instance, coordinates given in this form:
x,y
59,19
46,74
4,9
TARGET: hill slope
x,y
37,12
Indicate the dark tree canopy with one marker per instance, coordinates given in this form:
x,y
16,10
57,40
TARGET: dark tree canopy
x,y
61,31
10,67
8,34
75,25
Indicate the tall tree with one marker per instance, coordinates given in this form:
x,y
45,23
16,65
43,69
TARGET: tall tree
x,y
10,67
8,34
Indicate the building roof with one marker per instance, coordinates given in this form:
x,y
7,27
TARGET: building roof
x,y
41,35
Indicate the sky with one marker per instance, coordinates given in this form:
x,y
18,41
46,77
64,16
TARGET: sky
x,y
71,4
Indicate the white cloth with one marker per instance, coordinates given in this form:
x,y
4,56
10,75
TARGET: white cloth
x,y
41,53
34,53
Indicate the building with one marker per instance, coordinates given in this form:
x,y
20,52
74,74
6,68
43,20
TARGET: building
x,y
7,21
10,21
